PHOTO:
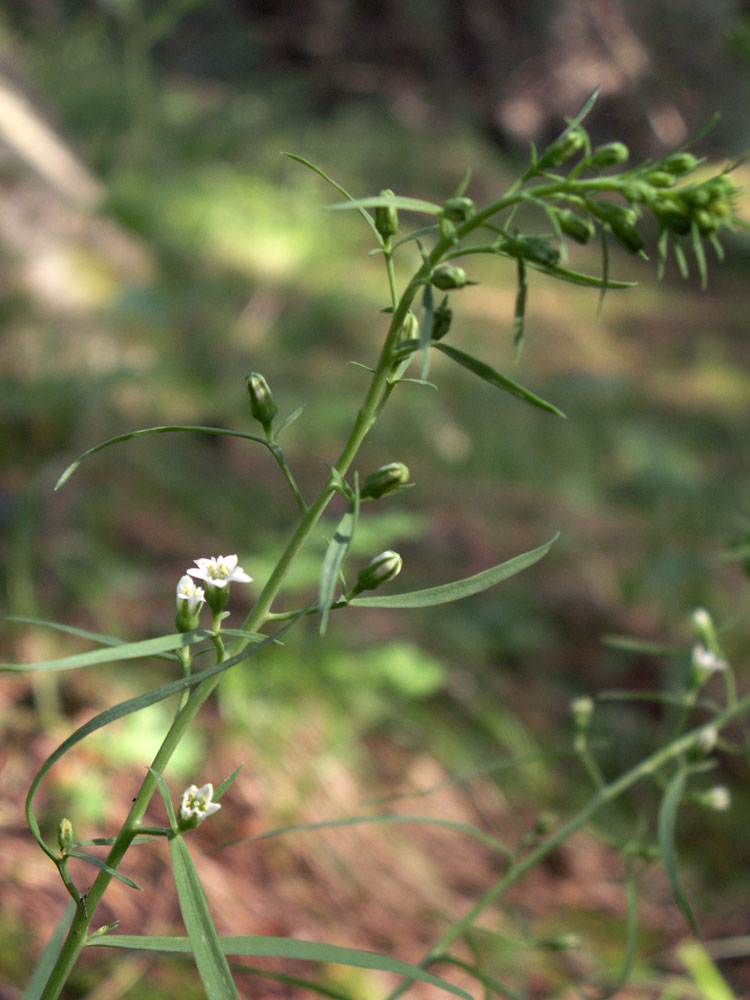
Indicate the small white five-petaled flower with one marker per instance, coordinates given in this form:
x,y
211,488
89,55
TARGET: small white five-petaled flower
x,y
193,596
705,661
196,803
219,571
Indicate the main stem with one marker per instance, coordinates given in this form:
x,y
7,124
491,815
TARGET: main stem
x,y
366,416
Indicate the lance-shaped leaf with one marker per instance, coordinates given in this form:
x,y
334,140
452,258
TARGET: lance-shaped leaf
x,y
278,947
448,592
425,331
112,654
519,313
667,821
213,967
98,863
494,377
333,560
394,201
48,957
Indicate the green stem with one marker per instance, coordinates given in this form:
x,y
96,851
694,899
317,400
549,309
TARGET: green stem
x,y
646,768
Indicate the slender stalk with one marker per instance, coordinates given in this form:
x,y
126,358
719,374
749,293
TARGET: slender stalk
x,y
646,768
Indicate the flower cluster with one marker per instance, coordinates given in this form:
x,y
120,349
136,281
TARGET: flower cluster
x,y
216,573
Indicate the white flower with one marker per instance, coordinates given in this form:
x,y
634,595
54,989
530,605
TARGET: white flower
x,y
196,803
220,571
718,798
705,661
189,597
707,739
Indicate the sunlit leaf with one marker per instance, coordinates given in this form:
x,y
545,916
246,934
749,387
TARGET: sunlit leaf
x,y
279,947
494,377
204,941
321,173
332,562
394,201
460,588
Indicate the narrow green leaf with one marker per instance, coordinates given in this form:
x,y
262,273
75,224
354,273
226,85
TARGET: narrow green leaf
x,y
166,798
213,967
332,562
633,644
460,588
584,109
416,235
631,932
463,184
48,957
105,868
386,818
321,173
700,255
667,820
425,331
278,947
520,309
112,654
710,982
682,263
145,432
105,640
287,422
579,278
606,284
494,377
227,783
378,201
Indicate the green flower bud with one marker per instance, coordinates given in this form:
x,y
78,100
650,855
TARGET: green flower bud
x,y
410,329
386,217
627,236
446,278
458,209
561,149
661,179
622,223
384,480
673,214
379,570
442,318
582,710
609,155
532,248
65,835
680,163
578,229
262,405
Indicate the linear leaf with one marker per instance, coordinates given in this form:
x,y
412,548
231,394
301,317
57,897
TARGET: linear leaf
x,y
287,422
495,378
105,640
631,932
460,588
633,644
425,331
479,835
321,173
112,654
105,868
213,967
667,820
519,314
378,201
579,278
332,562
145,432
277,947
48,957
227,783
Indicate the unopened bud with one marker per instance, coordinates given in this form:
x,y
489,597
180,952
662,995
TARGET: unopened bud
x,y
581,711
65,835
578,229
661,179
447,277
262,405
384,480
706,741
680,163
410,329
442,318
458,209
561,149
379,570
386,217
717,798
609,155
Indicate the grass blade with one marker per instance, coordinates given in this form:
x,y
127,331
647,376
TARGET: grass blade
x,y
494,377
213,967
460,588
276,947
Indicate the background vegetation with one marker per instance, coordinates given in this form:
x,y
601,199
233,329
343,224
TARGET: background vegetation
x,y
140,288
